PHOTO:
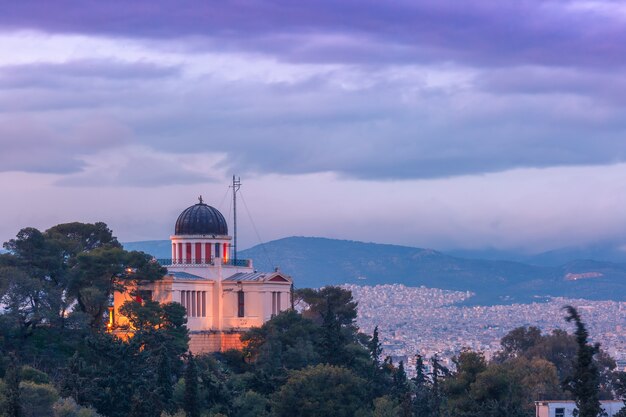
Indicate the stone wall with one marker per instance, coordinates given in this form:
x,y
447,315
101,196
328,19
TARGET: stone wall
x,y
213,341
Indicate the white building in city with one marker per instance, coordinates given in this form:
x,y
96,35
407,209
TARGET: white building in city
x,y
566,408
223,296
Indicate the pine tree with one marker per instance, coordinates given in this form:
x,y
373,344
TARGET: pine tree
x,y
584,383
192,405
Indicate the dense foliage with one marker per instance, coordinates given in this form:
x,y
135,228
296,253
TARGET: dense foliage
x,y
57,359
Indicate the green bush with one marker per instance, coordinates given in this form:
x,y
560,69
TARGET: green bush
x,y
37,399
67,407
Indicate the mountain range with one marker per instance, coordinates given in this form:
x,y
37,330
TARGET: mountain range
x,y
315,262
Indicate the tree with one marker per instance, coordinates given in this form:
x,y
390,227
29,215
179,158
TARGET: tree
x,y
620,390
518,341
12,404
498,391
423,401
584,383
321,391
385,407
469,365
558,348
33,279
251,404
401,391
191,406
375,347
164,383
73,263
334,299
333,338
74,238
37,399
439,372
67,407
287,341
101,271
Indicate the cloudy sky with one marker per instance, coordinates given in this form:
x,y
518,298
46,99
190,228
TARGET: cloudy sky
x,y
441,124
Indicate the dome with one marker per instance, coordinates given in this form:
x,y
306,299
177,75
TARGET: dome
x,y
201,219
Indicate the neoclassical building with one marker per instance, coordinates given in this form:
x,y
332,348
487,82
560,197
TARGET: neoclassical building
x,y
223,296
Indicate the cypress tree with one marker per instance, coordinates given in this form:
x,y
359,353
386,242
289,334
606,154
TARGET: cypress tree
x,y
165,389
401,391
333,340
375,347
439,371
584,383
423,395
192,406
420,371
12,406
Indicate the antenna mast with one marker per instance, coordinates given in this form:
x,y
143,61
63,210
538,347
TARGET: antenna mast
x,y
236,185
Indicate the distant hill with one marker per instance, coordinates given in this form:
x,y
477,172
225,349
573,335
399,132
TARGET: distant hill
x,y
609,251
315,262
156,248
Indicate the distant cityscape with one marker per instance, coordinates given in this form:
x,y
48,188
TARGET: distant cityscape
x,y
429,321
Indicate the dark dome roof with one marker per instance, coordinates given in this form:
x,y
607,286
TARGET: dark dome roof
x,y
201,219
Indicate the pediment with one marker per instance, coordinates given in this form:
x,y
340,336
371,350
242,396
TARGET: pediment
x,y
278,278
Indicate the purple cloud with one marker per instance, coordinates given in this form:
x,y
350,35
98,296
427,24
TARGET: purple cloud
x,y
483,33
50,75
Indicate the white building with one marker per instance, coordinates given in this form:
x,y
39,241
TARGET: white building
x,y
566,408
223,296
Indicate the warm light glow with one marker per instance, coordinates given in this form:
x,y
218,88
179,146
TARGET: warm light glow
x,y
225,252
110,322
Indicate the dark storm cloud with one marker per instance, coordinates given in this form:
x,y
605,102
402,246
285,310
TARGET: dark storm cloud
x,y
506,32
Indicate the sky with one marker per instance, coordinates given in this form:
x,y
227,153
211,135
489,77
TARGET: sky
x,y
447,124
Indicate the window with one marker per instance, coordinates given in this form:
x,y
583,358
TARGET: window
x,y
194,302
275,302
559,412
240,304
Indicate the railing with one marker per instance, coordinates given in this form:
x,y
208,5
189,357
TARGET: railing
x,y
238,262
191,262
170,261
